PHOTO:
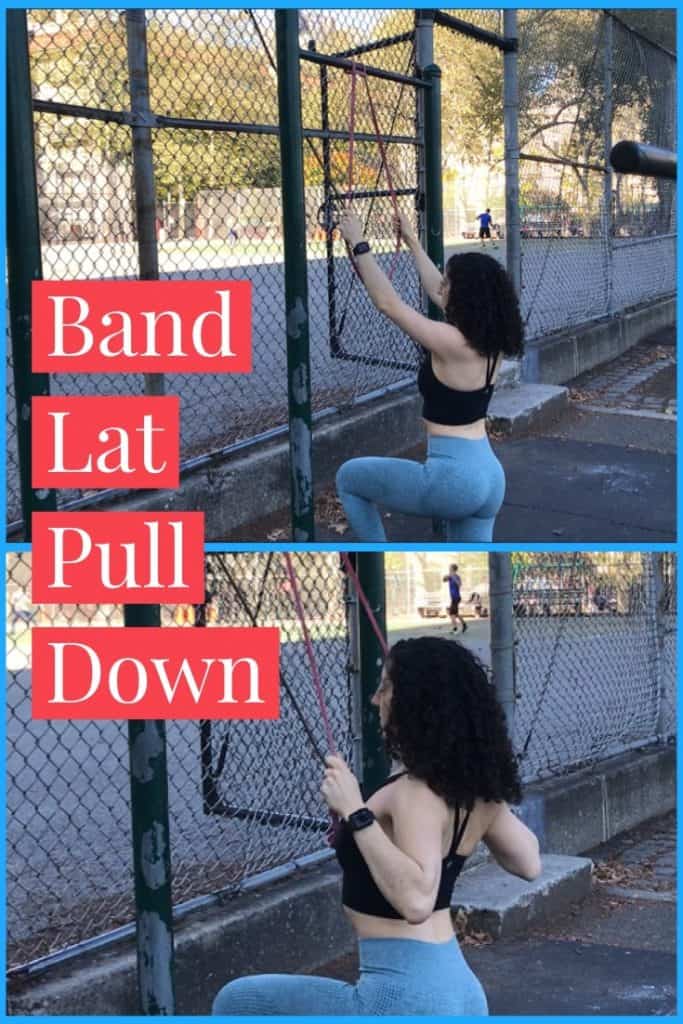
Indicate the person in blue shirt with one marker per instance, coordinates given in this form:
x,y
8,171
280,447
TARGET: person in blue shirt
x,y
454,585
485,220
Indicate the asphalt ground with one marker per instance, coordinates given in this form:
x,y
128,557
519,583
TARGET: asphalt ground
x,y
604,471
614,954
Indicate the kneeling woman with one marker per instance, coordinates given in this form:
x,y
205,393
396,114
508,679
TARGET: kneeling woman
x,y
402,850
462,481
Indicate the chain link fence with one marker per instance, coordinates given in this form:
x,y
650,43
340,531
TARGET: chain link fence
x,y
595,674
244,796
598,242
595,656
593,243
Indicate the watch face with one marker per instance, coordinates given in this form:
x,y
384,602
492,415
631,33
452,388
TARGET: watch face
x,y
361,819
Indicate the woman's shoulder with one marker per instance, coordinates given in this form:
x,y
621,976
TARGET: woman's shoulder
x,y
410,791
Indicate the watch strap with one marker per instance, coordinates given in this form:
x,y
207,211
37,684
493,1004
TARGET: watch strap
x,y
360,819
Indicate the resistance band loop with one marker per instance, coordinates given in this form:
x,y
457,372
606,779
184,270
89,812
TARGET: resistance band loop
x,y
384,163
348,566
315,674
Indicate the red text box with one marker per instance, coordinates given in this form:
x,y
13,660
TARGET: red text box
x,y
121,557
141,326
96,442
139,672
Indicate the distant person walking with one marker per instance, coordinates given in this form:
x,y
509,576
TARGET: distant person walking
x,y
454,588
485,221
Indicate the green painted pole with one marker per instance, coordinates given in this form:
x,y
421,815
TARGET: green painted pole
x,y
370,569
151,849
502,633
296,279
433,173
24,263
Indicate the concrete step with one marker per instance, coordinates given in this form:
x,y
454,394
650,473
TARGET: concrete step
x,y
522,406
490,900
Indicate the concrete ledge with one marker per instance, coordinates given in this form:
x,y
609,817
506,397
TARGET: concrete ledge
x,y
572,814
492,901
286,927
516,409
562,356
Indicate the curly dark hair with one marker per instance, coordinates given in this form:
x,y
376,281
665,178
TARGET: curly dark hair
x,y
446,725
482,304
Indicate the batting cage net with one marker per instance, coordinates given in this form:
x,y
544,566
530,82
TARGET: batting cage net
x,y
595,676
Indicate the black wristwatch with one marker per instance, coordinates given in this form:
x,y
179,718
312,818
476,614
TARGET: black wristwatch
x,y
360,819
361,248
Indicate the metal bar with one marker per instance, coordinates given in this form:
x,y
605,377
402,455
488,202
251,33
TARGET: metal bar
x,y
376,193
433,175
607,114
502,633
237,127
369,566
296,274
400,140
327,196
273,818
424,56
151,849
560,160
393,364
630,157
143,163
377,44
76,110
508,45
513,231
366,69
23,257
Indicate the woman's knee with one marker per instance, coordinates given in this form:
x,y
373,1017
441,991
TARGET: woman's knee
x,y
238,997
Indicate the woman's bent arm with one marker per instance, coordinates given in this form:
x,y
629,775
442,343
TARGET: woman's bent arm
x,y
407,870
513,845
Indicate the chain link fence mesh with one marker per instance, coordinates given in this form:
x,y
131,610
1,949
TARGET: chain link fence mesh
x,y
596,673
586,81
219,204
68,787
595,656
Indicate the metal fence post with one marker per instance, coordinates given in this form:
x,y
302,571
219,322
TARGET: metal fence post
x,y
151,849
296,281
513,243
654,589
607,212
502,633
424,56
143,162
23,255
370,569
433,173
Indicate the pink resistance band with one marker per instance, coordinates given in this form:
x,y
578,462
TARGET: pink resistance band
x,y
315,673
383,155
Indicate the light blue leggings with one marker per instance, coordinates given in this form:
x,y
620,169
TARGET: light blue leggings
x,y
461,482
398,977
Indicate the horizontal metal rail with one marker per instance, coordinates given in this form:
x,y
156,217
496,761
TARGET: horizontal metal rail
x,y
642,36
130,120
274,818
378,44
482,35
564,162
365,69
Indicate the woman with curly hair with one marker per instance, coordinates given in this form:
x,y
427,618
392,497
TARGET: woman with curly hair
x,y
462,481
402,849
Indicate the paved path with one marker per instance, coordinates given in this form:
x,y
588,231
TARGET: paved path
x,y
613,954
604,471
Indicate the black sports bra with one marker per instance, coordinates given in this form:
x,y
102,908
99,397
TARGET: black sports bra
x,y
359,889
449,406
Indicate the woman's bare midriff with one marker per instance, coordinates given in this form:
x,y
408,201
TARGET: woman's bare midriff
x,y
470,431
437,928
